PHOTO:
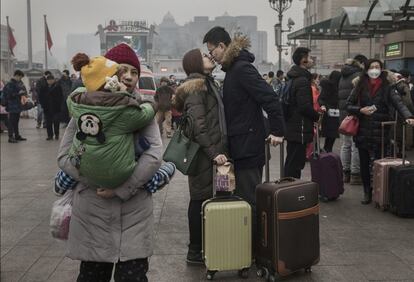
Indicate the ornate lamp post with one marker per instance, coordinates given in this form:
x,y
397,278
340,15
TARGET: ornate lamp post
x,y
280,6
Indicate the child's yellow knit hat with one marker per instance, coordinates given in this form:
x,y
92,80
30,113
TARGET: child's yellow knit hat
x,y
94,71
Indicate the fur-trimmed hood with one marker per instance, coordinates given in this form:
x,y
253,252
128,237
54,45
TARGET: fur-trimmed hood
x,y
390,77
238,47
195,83
351,66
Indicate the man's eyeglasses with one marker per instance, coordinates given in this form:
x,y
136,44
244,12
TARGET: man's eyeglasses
x,y
211,52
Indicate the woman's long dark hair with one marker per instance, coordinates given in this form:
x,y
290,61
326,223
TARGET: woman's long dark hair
x,y
362,85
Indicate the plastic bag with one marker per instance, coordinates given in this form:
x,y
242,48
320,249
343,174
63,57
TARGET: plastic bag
x,y
224,178
60,216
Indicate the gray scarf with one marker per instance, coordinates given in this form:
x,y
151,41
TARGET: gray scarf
x,y
212,86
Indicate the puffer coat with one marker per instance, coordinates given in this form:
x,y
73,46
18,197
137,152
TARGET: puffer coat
x,y
386,100
195,100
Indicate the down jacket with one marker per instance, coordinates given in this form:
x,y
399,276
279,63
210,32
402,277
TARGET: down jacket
x,y
349,72
197,100
116,229
301,114
103,148
386,101
245,95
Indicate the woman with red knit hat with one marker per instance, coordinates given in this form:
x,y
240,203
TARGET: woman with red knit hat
x,y
114,226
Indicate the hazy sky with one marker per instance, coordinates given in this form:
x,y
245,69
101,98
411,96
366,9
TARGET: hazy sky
x,y
83,16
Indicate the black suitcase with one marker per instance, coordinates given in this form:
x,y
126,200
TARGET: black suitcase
x,y
288,226
401,187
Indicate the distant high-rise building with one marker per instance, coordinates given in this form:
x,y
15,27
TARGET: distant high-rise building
x,y
174,40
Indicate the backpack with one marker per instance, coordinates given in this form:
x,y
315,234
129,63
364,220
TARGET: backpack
x,y
284,95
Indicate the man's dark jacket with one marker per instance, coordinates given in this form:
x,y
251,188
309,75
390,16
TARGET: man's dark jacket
x,y
301,115
245,95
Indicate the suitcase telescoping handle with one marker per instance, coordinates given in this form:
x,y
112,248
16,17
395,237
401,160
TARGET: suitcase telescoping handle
x,y
267,160
383,124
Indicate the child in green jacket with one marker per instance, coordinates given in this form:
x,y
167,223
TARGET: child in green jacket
x,y
106,116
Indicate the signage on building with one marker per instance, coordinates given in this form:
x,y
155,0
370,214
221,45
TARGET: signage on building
x,y
127,26
393,50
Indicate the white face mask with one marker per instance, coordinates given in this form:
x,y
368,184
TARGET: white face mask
x,y
374,73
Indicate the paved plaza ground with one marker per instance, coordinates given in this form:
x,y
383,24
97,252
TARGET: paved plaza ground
x,y
358,243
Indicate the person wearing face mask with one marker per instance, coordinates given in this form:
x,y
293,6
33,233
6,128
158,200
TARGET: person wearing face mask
x,y
373,100
301,114
199,99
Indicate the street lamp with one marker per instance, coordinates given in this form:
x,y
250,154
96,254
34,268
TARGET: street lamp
x,y
280,6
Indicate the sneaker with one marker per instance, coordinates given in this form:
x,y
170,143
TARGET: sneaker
x,y
57,137
12,140
49,138
19,138
38,126
194,257
355,179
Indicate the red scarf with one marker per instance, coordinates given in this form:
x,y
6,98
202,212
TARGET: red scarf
x,y
374,85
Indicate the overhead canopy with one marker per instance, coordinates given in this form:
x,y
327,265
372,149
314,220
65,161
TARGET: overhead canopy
x,y
381,17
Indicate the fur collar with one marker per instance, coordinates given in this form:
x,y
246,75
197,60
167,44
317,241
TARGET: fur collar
x,y
390,77
233,50
193,85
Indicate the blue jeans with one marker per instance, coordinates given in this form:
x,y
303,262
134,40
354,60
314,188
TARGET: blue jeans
x,y
349,155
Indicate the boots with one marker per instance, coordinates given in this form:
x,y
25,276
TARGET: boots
x,y
347,176
367,198
355,179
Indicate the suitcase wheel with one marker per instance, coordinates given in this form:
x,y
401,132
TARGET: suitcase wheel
x,y
262,272
210,275
271,278
244,273
308,270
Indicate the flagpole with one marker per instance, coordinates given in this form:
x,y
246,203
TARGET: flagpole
x,y
29,36
9,53
44,16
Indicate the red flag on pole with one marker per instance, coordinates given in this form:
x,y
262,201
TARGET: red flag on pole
x,y
48,38
12,40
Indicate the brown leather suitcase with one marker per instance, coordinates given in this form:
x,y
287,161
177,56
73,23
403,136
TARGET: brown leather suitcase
x,y
288,226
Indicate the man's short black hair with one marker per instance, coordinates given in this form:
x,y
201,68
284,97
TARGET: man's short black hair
x,y
271,74
66,71
216,35
18,73
279,73
299,54
404,73
47,73
361,59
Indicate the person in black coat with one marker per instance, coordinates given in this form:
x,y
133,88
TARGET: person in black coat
x,y
300,114
349,153
328,100
373,101
12,95
245,95
51,101
66,85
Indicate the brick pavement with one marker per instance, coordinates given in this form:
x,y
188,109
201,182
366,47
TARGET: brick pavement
x,y
358,243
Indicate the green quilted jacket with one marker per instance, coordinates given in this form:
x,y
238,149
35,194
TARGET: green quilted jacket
x,y
103,148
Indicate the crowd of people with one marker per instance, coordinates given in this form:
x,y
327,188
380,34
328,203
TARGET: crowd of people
x,y
112,219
